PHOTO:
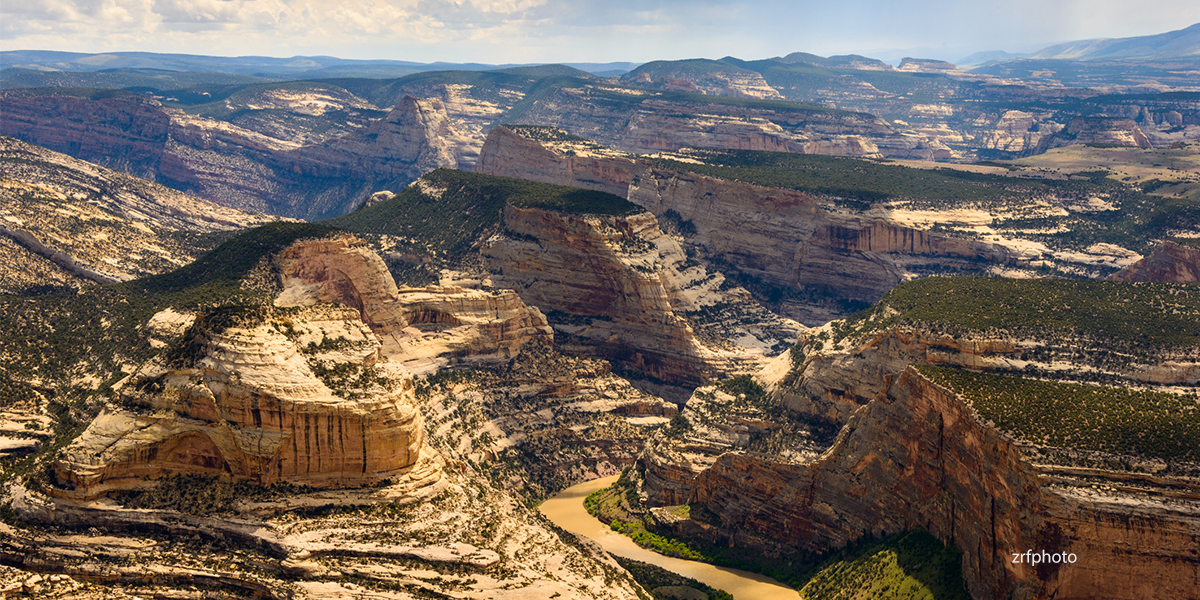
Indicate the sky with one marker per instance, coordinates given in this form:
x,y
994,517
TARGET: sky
x,y
543,31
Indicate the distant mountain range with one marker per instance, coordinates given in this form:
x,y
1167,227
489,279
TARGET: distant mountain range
x,y
34,64
1173,44
262,67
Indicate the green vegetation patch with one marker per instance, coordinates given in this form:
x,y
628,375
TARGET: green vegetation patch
x,y
655,578
447,212
911,564
1129,315
1122,421
1188,242
864,180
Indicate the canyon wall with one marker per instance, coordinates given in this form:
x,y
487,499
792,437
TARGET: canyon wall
x,y
1170,262
917,457
235,166
318,390
628,293
783,236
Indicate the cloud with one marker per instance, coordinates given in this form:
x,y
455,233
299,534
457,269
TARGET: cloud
x,y
576,30
201,11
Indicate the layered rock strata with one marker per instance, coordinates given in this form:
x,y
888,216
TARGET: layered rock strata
x,y
1170,262
645,123
251,408
234,166
423,329
630,294
970,485
317,391
70,223
783,236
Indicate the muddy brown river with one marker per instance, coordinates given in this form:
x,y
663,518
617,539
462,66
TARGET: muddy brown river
x,y
566,510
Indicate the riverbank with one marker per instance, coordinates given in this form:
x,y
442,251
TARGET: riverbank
x,y
566,510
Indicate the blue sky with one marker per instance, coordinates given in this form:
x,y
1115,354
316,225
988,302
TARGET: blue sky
x,y
523,31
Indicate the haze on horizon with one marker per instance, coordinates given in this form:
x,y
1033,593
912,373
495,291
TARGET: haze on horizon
x,y
533,31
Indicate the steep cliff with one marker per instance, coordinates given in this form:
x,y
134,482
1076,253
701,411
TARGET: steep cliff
x,y
973,487
612,283
997,465
251,407
1096,130
236,166
1170,262
786,237
645,122
303,393
274,428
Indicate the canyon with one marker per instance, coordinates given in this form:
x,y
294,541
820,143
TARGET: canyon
x,y
796,308
798,464
311,400
67,223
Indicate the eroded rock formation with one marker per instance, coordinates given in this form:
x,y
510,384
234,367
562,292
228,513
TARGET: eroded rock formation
x,y
630,293
970,485
317,391
783,236
1170,262
235,166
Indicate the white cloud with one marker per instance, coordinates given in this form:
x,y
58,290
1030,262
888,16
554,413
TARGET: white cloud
x,y
576,30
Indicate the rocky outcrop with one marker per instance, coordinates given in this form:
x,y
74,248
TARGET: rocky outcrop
x,y
235,166
782,236
739,83
421,328
415,137
511,154
318,391
628,293
1016,131
1170,262
125,133
646,124
251,408
968,484
1096,130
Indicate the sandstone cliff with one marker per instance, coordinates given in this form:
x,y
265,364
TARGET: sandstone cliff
x,y
630,294
1096,130
635,122
275,429
68,222
239,167
783,236
911,453
305,393
1169,262
972,487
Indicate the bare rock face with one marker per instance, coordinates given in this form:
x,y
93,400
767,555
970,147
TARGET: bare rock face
x,y
235,166
653,124
627,289
69,222
1170,262
316,390
421,328
251,408
967,484
1096,130
1016,131
510,154
738,83
416,136
782,236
